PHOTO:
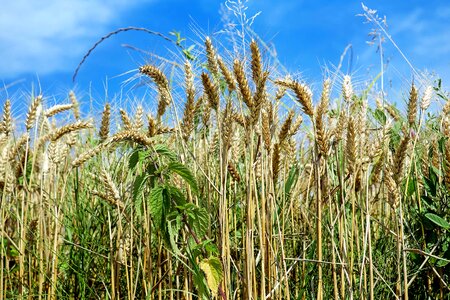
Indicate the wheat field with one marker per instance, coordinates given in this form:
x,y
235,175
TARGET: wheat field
x,y
238,183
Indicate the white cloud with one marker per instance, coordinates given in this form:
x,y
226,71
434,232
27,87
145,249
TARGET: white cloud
x,y
42,36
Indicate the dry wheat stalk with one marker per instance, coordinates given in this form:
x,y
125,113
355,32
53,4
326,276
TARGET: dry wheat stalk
x,y
56,109
130,135
189,107
6,124
84,157
257,70
302,93
78,125
211,55
233,172
240,119
266,132
412,105
241,79
296,125
347,88
227,125
76,105
206,114
426,99
350,146
281,91
321,110
33,112
126,121
285,128
211,91
392,112
259,98
104,126
163,87
110,186
276,162
399,157
152,126
19,143
227,75
138,118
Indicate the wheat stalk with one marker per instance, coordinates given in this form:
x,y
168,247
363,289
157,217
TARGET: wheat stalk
x,y
163,87
6,124
58,133
32,112
104,126
57,109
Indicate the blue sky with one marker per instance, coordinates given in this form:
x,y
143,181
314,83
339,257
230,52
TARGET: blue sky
x,y
41,42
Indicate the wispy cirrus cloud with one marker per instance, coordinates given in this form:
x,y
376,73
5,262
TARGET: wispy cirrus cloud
x,y
43,36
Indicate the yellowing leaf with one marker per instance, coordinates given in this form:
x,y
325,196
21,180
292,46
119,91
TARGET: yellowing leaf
x,y
212,267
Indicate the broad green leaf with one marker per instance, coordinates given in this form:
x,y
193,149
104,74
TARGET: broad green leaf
x,y
411,186
173,227
380,116
438,220
163,150
199,220
156,203
176,195
185,173
134,159
212,267
138,185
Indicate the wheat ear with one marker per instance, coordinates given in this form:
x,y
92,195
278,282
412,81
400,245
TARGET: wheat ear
x,y
6,124
104,126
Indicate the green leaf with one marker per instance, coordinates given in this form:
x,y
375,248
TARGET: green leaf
x,y
173,227
163,150
134,159
293,176
185,173
176,195
199,220
138,185
438,220
411,186
156,203
212,267
380,116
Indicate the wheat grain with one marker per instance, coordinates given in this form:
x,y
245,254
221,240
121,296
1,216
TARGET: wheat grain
x,y
138,118
104,126
84,157
58,133
347,88
302,93
76,105
244,88
131,135
212,58
321,110
350,147
227,75
426,99
190,105
163,87
57,109
6,124
211,91
412,105
257,71
33,111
